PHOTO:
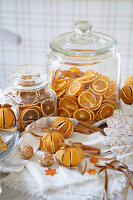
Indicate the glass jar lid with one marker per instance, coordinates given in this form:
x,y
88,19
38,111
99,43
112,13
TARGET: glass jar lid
x,y
83,41
28,77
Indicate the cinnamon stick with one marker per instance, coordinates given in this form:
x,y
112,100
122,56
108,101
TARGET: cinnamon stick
x,y
83,130
88,125
91,152
89,129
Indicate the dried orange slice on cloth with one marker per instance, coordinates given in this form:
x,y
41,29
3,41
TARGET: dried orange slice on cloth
x,y
63,112
84,115
87,99
27,98
48,107
42,94
74,89
68,103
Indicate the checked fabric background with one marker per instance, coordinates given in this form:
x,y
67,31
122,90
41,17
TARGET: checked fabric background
x,y
38,21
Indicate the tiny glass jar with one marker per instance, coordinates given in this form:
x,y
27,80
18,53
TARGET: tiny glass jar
x,y
31,95
84,70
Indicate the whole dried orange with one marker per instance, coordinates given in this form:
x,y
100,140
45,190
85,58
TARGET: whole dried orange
x,y
87,100
68,103
84,115
74,89
126,94
63,112
129,80
48,107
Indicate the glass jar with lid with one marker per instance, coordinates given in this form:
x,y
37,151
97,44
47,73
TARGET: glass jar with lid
x,y
84,68
31,95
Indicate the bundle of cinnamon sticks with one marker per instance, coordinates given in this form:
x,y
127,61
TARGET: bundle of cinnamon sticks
x,y
87,128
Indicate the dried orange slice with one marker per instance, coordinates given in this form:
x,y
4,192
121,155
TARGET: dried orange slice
x,y
74,89
42,95
48,107
74,69
106,110
99,101
60,86
87,100
86,79
100,85
113,103
68,103
27,97
27,116
63,112
84,115
60,93
110,93
57,74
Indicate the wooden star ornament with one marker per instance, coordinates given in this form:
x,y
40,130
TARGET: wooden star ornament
x,y
94,160
91,171
50,172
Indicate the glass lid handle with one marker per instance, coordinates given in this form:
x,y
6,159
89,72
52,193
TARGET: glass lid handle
x,y
82,28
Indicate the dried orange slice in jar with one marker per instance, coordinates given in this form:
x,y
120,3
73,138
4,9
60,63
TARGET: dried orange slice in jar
x,y
48,107
60,93
74,69
74,89
100,85
111,91
106,111
84,115
99,101
27,116
68,103
27,98
42,94
63,112
112,102
60,85
87,100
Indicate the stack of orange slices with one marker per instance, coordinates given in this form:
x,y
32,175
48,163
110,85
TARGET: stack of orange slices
x,y
87,96
34,105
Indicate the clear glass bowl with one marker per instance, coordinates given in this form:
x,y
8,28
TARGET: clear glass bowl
x,y
30,93
84,70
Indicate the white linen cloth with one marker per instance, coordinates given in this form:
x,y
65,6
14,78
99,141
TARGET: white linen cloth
x,y
120,134
29,177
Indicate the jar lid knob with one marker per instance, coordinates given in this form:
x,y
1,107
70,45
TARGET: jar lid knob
x,y
82,28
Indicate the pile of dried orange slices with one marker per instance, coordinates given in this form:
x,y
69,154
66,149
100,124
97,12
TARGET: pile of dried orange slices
x,y
85,96
34,105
